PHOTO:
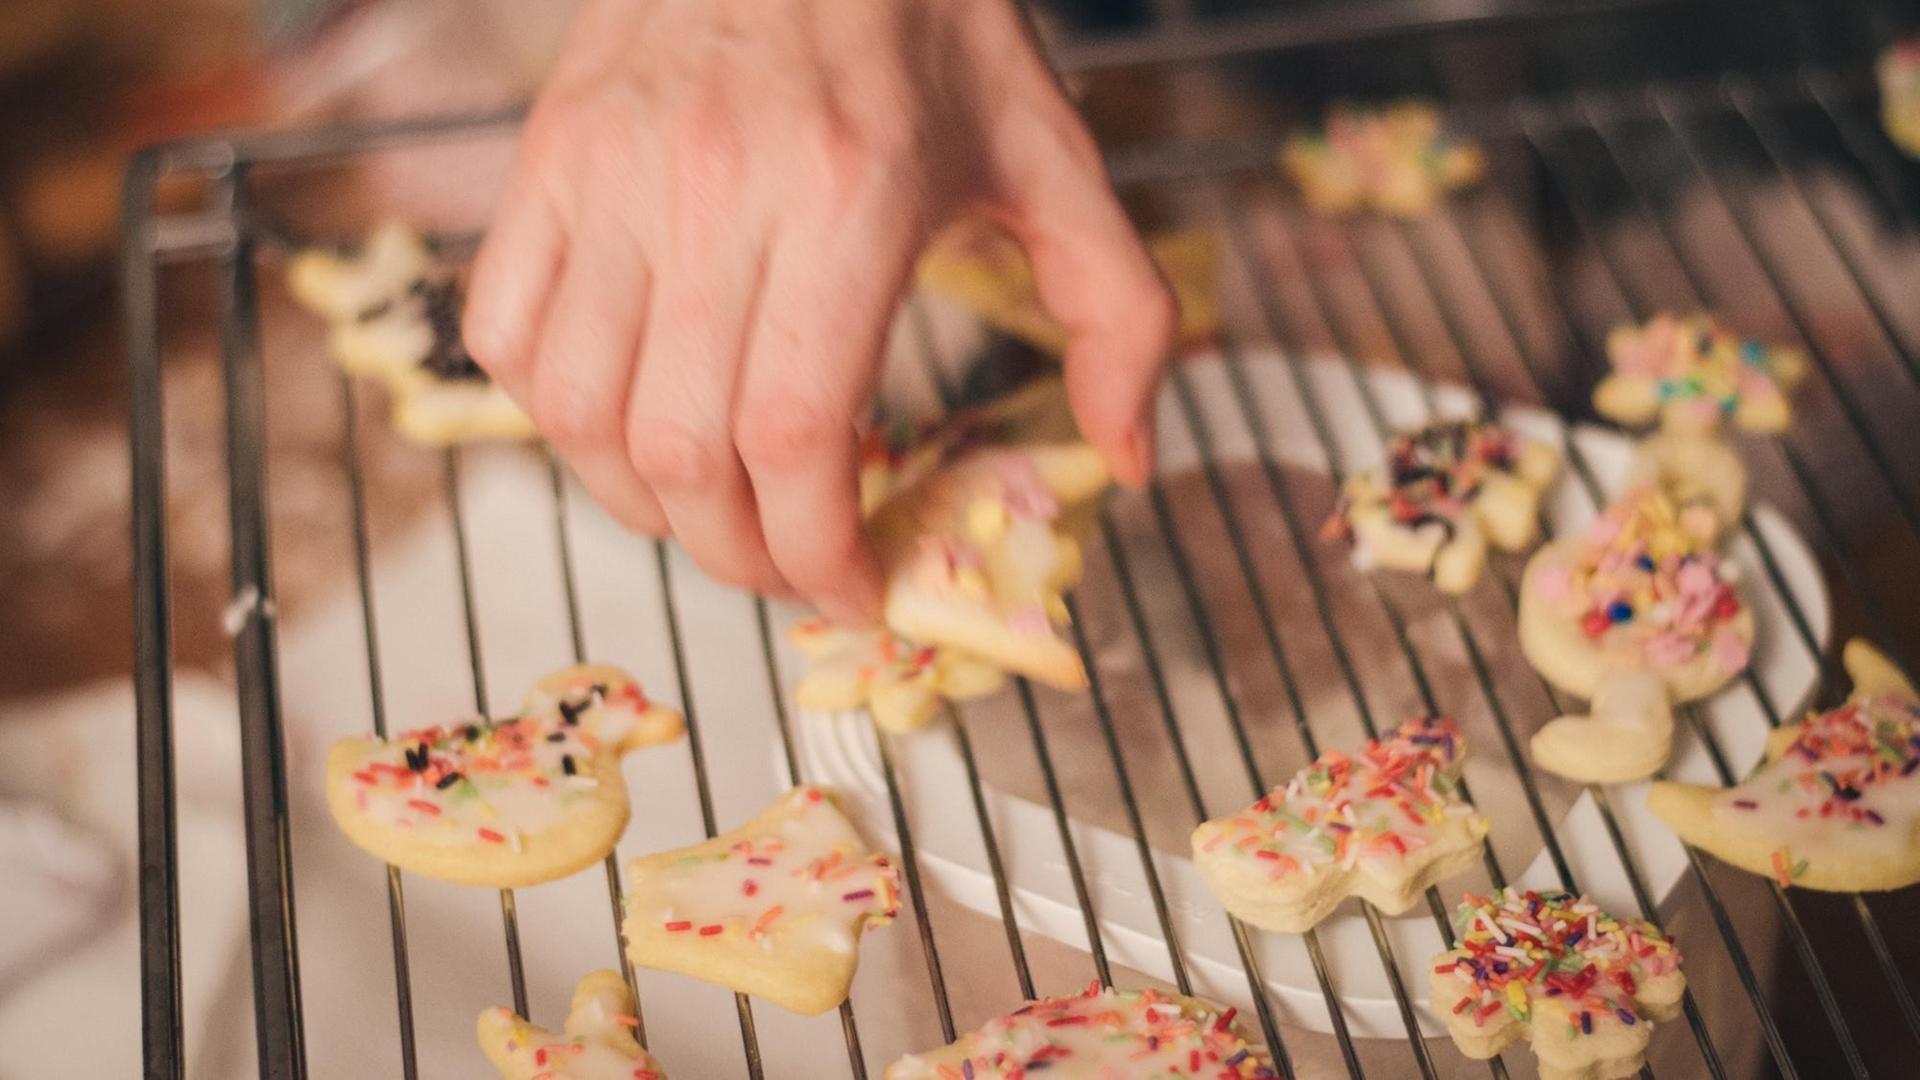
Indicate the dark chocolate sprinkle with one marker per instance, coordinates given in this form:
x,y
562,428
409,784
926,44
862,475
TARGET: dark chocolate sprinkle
x,y
566,764
448,781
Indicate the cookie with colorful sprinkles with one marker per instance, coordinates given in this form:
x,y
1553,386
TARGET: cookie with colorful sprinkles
x,y
900,684
597,1042
1898,73
1382,824
1691,372
1552,968
502,802
1636,613
1396,159
1102,1034
393,313
1836,807
1441,496
774,908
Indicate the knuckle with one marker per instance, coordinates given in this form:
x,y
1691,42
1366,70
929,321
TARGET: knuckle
x,y
565,412
669,454
784,431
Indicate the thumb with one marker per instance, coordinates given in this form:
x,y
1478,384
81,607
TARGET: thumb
x,y
1094,277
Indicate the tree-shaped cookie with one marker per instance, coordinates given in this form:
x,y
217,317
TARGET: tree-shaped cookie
x,y
1691,372
1395,159
774,908
393,313
1552,968
1442,494
597,1042
1382,824
1636,613
900,684
503,802
1836,807
1102,1034
976,555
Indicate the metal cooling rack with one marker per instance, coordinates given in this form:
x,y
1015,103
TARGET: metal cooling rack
x,y
1603,168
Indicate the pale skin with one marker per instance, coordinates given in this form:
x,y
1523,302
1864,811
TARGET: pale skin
x,y
712,217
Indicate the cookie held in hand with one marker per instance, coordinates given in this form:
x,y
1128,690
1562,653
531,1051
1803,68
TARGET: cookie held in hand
x,y
1444,493
774,908
506,802
901,685
1382,824
1836,807
1555,970
1101,1034
597,1042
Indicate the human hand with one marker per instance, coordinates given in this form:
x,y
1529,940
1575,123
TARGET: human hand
x,y
714,212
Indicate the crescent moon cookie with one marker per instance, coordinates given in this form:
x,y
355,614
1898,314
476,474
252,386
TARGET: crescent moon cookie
x,y
506,802
774,908
976,556
1898,71
983,266
1383,825
900,684
1836,807
1442,495
1552,968
1691,371
1636,614
1395,159
394,314
1103,1034
597,1042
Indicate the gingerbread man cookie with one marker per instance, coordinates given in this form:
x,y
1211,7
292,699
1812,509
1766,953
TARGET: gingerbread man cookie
x,y
394,314
982,265
1690,372
1444,493
1836,807
1395,159
1383,824
1898,71
505,802
900,684
597,1042
1103,1034
1580,985
774,908
1636,614
976,555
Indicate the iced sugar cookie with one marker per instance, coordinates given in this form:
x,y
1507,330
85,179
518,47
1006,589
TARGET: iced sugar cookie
x,y
1383,825
976,556
981,265
900,684
393,313
1552,968
1692,468
1444,493
896,456
1690,372
774,908
597,1042
1636,614
1837,805
1898,70
508,802
1395,159
1103,1034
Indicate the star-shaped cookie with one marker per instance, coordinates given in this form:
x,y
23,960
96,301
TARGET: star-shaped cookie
x,y
1395,159
1441,496
774,908
1552,968
1836,807
393,313
597,1042
1691,372
900,684
1102,1034
504,802
1382,824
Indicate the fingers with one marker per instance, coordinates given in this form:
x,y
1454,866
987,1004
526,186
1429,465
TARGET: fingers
x,y
512,278
1094,277
810,368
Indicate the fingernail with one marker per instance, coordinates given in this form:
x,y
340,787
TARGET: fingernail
x,y
1141,447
